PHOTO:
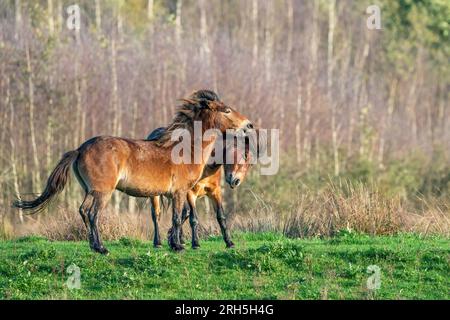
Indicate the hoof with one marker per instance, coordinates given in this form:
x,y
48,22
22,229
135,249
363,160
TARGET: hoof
x,y
157,246
101,250
195,246
230,245
182,242
177,247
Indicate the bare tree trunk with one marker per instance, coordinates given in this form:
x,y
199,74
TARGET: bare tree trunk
x,y
357,85
116,107
363,112
78,102
429,122
163,93
51,21
299,119
18,17
4,115
330,64
48,144
205,49
98,16
290,39
342,84
387,124
205,52
60,15
256,79
15,176
150,13
36,173
286,79
255,32
13,146
311,79
178,35
268,43
441,109
119,21
178,27
412,99
71,198
83,110
132,200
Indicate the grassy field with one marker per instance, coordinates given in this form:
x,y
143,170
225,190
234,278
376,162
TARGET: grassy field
x,y
263,266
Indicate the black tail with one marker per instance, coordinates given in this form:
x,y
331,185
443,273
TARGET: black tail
x,y
55,184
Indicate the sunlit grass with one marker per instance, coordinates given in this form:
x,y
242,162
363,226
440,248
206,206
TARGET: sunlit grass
x,y
263,266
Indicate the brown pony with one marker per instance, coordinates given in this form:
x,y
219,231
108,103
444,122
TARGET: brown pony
x,y
208,185
139,168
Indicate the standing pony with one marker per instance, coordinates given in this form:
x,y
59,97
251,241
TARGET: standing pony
x,y
209,185
139,168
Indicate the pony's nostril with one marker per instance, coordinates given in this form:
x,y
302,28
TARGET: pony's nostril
x,y
250,125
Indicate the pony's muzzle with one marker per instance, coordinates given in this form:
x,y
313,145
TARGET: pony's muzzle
x,y
247,127
233,181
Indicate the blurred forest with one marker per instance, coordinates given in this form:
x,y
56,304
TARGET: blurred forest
x,y
361,112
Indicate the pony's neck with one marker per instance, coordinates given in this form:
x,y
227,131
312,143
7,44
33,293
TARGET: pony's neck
x,y
206,146
204,152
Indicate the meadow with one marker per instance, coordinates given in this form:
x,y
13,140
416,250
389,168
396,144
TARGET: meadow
x,y
364,125
262,266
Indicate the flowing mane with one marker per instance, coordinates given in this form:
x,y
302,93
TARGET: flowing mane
x,y
187,113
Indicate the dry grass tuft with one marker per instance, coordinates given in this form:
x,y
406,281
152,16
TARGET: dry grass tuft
x,y
67,225
359,209
354,208
339,207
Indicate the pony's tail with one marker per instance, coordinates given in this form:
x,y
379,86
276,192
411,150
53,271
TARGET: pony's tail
x,y
55,184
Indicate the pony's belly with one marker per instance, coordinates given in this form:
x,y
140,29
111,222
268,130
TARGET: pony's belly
x,y
138,192
137,188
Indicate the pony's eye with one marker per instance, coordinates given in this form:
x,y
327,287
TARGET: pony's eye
x,y
227,110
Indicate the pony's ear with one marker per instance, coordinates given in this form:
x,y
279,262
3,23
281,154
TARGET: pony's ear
x,y
203,104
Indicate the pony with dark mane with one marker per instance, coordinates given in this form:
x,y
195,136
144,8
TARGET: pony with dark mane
x,y
139,168
240,160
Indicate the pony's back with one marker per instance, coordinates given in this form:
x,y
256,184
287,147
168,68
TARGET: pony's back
x,y
156,134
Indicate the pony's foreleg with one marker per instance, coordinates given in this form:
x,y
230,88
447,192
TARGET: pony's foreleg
x,y
156,215
184,217
177,207
193,220
99,203
216,198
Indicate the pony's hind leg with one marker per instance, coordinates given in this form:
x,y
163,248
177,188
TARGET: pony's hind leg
x,y
156,215
99,203
84,208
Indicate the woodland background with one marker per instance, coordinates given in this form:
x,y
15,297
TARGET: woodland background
x,y
363,114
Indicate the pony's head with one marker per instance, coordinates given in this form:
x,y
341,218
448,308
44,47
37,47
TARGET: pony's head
x,y
242,157
215,114
205,106
236,171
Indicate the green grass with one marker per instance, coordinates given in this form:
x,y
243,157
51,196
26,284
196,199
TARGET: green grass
x,y
263,266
